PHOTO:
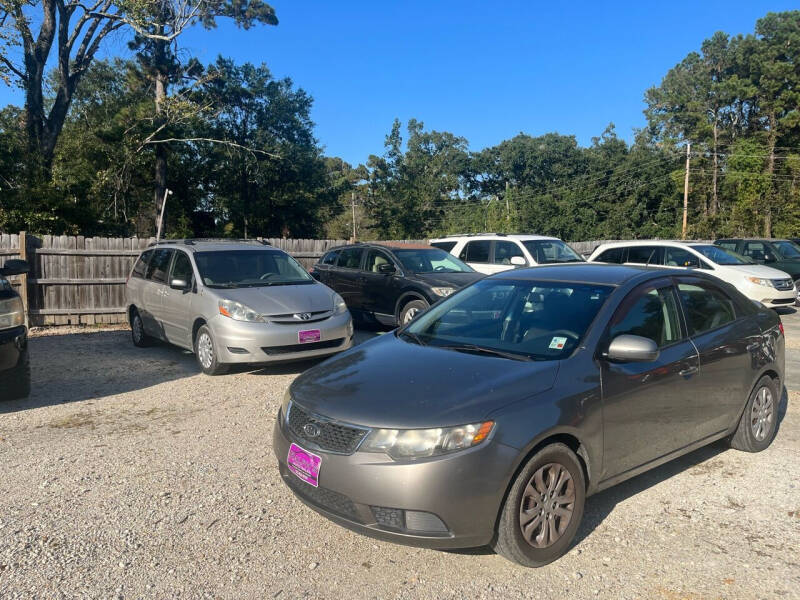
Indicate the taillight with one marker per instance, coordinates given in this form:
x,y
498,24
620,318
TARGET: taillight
x,y
780,326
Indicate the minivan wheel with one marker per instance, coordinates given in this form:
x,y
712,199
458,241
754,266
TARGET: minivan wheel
x,y
759,420
411,310
205,352
140,338
543,509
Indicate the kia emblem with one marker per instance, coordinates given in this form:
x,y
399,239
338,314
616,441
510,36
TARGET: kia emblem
x,y
311,430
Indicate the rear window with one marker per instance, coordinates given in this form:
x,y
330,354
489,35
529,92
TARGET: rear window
x,y
446,246
645,255
159,265
140,268
350,258
330,258
476,252
612,255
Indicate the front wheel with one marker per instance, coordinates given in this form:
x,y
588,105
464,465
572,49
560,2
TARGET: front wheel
x,y
411,310
760,418
16,383
543,509
205,350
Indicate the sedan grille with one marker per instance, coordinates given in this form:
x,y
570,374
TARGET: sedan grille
x,y
324,498
323,433
783,285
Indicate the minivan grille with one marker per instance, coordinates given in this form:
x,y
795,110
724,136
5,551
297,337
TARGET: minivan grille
x,y
302,347
783,285
331,437
290,319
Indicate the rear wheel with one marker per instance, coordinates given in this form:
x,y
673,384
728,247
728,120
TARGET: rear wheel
x,y
16,383
205,350
411,310
140,338
543,509
760,418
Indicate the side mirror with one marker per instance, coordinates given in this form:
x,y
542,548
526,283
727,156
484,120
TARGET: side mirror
x,y
632,348
15,266
179,284
769,258
518,261
386,268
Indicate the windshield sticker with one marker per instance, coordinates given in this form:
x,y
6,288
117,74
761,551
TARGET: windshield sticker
x,y
557,343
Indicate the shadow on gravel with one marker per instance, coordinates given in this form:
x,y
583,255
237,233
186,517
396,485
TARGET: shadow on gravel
x,y
87,366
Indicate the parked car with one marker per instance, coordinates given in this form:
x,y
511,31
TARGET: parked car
x,y
233,302
391,284
15,370
496,252
783,255
767,285
491,417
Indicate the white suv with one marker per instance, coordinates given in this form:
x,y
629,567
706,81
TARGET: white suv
x,y
769,286
495,252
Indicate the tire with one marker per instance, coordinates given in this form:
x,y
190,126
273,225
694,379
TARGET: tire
x,y
139,337
759,420
552,530
17,382
205,352
411,309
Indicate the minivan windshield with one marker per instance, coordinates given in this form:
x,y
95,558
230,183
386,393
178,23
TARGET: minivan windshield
x,y
430,260
249,268
551,251
721,256
522,320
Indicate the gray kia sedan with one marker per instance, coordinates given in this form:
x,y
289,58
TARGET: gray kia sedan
x,y
492,416
234,302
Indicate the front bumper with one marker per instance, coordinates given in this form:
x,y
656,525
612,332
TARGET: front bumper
x,y
464,490
13,348
241,342
771,297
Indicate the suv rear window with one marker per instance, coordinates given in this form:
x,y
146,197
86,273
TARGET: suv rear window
x,y
350,258
140,268
446,246
476,251
330,258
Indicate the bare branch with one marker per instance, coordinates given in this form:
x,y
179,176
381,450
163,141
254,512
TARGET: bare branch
x,y
214,141
10,66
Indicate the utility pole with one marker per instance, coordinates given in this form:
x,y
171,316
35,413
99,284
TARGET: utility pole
x,y
686,190
353,200
167,192
508,210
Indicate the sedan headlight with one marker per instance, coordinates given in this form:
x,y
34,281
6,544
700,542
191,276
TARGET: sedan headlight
x,y
443,291
760,281
419,443
239,312
339,306
12,313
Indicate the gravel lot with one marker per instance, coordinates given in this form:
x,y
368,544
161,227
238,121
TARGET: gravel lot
x,y
128,474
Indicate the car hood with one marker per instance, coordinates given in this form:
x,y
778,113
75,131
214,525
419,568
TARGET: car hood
x,y
391,383
760,271
456,280
282,299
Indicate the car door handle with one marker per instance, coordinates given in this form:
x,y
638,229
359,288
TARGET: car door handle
x,y
688,371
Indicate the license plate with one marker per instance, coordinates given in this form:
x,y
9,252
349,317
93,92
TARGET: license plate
x,y
304,464
310,335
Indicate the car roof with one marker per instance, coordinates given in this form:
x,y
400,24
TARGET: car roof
x,y
522,237
753,239
217,245
673,243
386,246
597,273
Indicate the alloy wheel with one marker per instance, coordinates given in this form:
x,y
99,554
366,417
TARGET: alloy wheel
x,y
761,414
205,350
410,314
547,505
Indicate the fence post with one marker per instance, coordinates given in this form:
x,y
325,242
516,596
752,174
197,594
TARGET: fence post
x,y
23,279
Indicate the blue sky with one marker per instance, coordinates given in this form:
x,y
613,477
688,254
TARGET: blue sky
x,y
486,71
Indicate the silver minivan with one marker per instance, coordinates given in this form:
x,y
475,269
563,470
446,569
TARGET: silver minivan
x,y
233,302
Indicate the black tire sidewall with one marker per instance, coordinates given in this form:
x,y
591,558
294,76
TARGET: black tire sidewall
x,y
521,551
144,340
750,441
420,304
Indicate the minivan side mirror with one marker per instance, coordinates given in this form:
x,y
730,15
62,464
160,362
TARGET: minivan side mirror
x,y
386,268
518,261
632,348
15,266
179,284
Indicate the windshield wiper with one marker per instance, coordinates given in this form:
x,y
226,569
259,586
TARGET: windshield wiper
x,y
224,285
475,349
414,337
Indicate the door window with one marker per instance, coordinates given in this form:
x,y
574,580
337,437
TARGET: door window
x,y
330,257
350,258
503,251
726,245
476,252
652,255
678,257
159,265
755,250
182,268
612,255
376,258
651,313
706,307
140,268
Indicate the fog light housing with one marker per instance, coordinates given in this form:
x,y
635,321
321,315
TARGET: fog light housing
x,y
411,521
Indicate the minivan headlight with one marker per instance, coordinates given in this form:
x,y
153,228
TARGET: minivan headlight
x,y
239,312
760,281
419,443
12,314
339,306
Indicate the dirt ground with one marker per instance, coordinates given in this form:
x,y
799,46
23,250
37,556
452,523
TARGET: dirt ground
x,y
128,474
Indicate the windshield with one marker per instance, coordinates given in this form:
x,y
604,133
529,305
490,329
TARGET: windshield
x,y
551,251
430,260
531,320
788,249
249,268
722,256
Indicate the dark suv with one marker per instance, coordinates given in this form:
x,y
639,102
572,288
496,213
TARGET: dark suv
x,y
783,255
15,374
392,283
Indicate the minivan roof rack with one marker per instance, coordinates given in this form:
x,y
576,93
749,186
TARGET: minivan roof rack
x,y
193,241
